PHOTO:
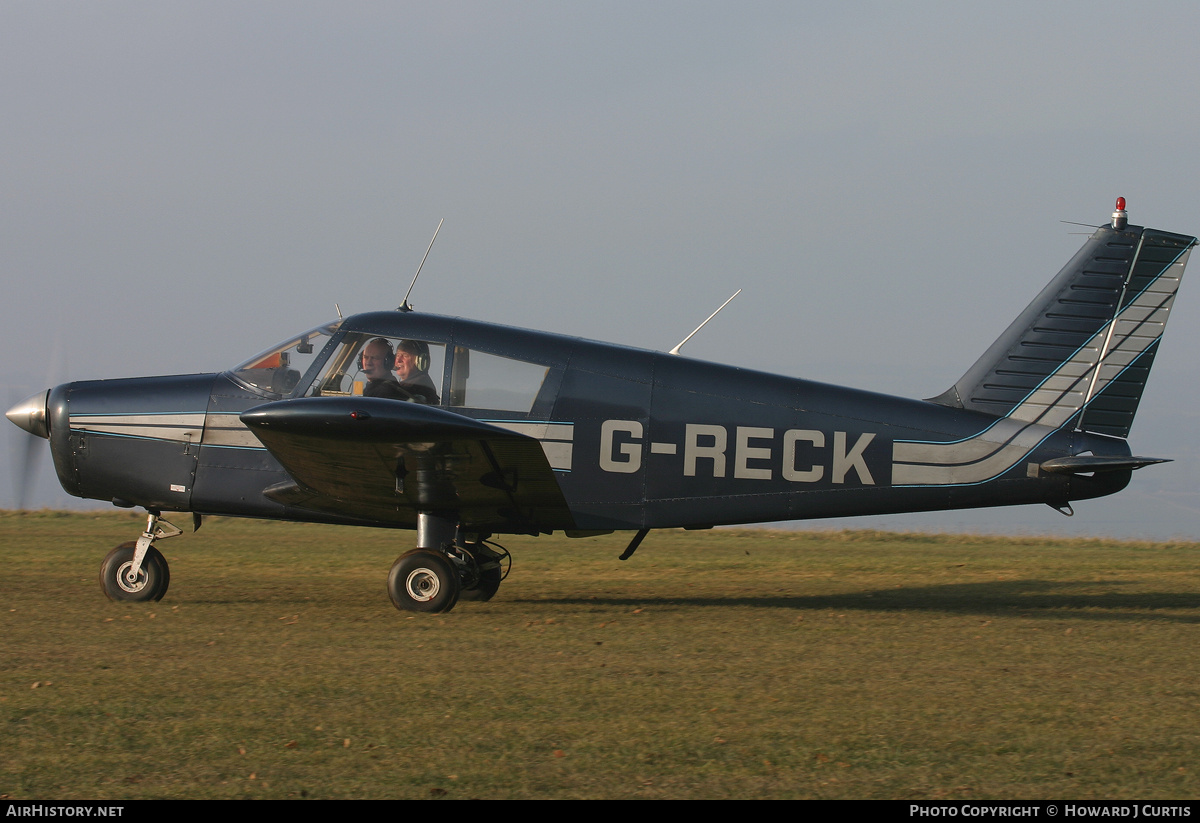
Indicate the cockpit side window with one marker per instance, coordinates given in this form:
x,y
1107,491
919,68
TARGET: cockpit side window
x,y
378,366
278,370
480,380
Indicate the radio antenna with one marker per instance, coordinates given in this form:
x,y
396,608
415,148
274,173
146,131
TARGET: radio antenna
x,y
705,323
405,306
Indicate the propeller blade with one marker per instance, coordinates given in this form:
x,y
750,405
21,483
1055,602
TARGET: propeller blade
x,y
27,468
31,419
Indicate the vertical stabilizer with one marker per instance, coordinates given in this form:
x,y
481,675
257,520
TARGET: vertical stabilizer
x,y
1080,353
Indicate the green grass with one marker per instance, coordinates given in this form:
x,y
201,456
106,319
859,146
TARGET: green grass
x,y
724,664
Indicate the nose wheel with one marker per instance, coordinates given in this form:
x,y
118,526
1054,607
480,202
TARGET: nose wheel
x,y
136,571
120,582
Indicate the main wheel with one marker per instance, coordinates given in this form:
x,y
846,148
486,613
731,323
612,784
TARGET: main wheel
x,y
486,588
423,580
152,581
492,568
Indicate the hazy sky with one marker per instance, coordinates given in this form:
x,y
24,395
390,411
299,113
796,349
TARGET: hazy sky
x,y
184,184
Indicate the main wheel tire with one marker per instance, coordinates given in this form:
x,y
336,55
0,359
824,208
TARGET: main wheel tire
x,y
423,580
153,578
485,589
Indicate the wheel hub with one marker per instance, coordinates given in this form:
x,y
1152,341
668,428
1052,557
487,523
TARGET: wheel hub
x,y
422,585
127,582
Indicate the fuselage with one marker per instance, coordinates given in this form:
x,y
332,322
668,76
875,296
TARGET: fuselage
x,y
635,438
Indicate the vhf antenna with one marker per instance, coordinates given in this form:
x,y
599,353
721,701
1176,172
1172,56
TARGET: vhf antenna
x,y
705,323
405,306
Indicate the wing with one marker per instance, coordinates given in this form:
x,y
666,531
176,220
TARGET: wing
x,y
383,460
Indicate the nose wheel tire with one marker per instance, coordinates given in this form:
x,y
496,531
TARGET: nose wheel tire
x,y
152,580
423,580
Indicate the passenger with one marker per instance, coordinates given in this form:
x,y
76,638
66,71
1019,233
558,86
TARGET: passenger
x,y
377,357
412,370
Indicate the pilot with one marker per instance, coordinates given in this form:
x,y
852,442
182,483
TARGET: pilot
x,y
412,370
377,357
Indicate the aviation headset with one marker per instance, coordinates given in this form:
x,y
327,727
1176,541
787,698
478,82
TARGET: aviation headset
x,y
390,354
419,349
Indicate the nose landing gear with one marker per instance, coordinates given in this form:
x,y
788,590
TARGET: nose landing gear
x,y
121,582
136,571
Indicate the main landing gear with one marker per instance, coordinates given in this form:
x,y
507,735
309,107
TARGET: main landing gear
x,y
447,568
136,571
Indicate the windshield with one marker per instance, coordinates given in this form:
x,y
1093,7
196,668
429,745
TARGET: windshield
x,y
278,369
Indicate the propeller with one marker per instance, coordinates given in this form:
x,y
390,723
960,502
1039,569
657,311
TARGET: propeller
x,y
30,415
25,445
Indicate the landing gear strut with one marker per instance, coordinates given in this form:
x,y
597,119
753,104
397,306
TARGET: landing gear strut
x,y
136,571
446,568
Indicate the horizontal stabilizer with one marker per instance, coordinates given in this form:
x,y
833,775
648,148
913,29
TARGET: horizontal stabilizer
x,y
1092,463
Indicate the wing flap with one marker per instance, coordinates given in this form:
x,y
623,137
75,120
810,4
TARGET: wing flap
x,y
385,459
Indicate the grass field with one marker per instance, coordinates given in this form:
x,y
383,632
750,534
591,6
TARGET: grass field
x,y
723,664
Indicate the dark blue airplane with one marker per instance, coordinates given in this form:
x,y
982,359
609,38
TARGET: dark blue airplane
x,y
462,430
